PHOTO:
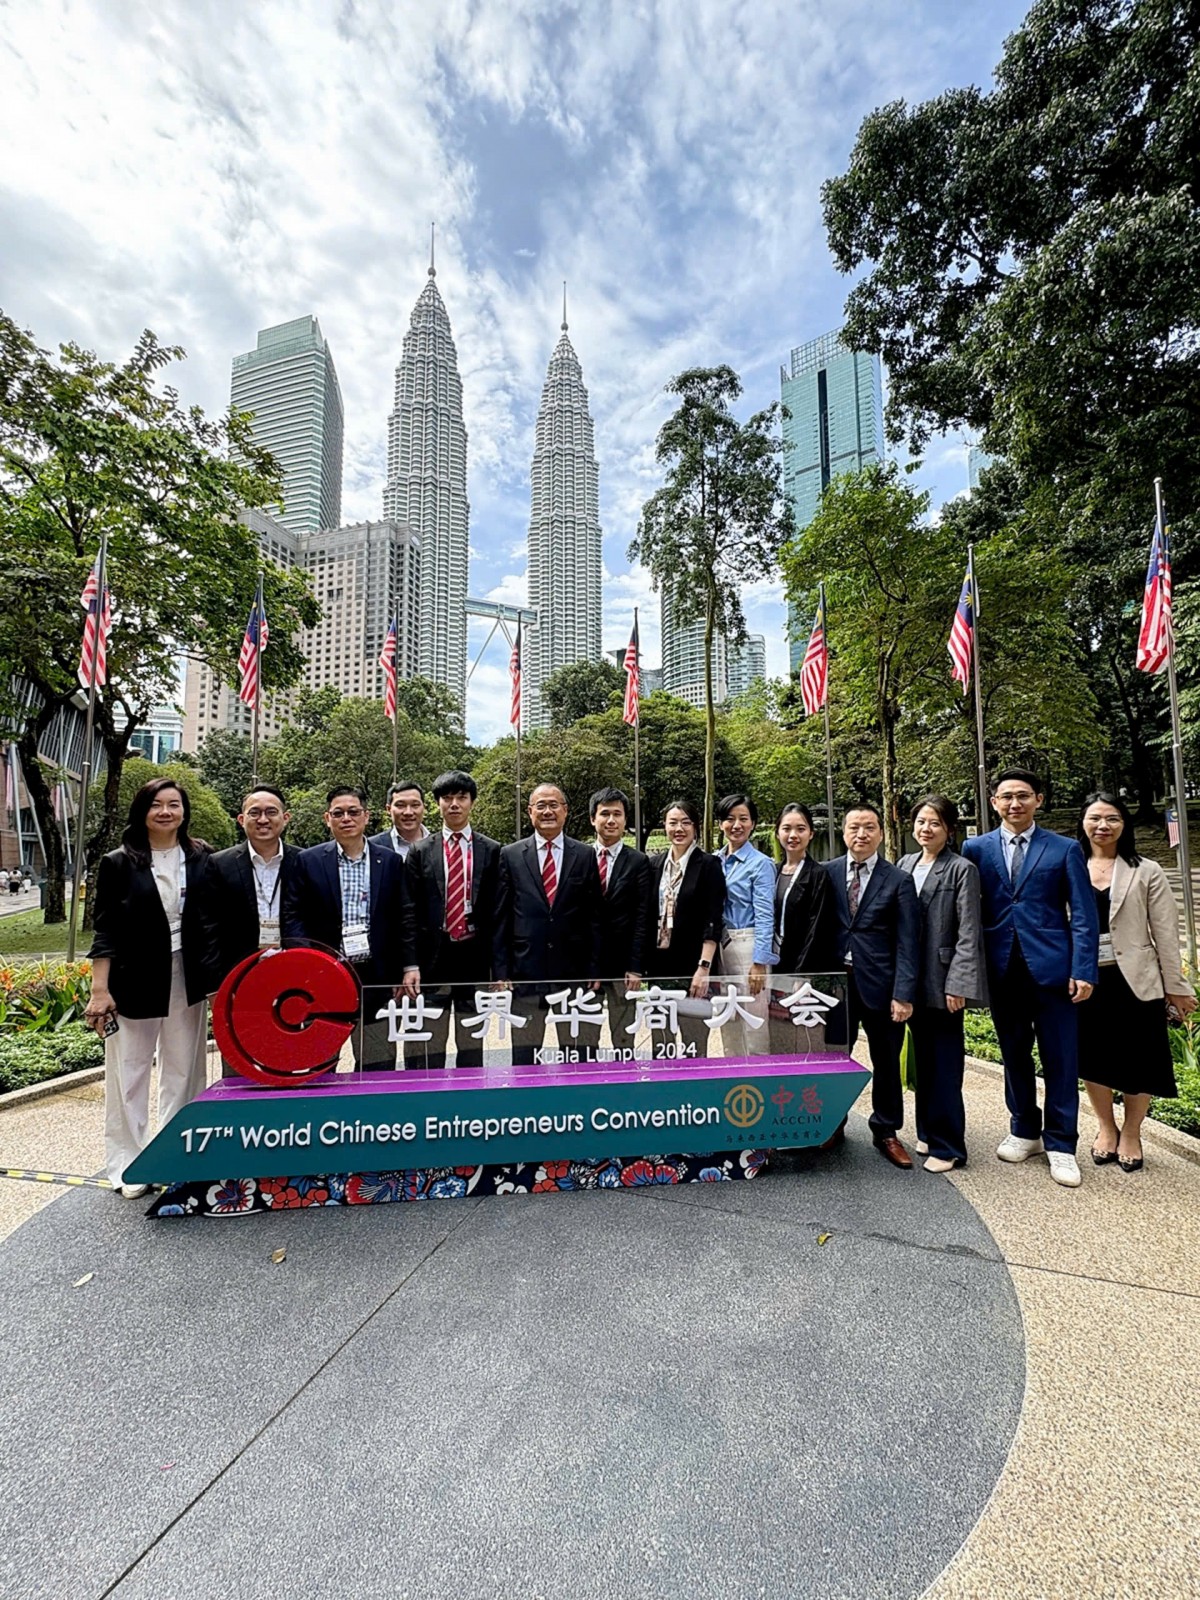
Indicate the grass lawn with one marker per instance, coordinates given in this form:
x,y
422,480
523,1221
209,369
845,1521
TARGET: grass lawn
x,y
25,934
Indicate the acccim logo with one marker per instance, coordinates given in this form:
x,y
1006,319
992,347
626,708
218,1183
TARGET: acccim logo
x,y
744,1105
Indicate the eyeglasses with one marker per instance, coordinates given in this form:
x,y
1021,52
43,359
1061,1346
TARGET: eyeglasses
x,y
264,816
1020,794
347,815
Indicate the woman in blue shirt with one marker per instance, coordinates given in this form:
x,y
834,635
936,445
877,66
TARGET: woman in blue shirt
x,y
748,934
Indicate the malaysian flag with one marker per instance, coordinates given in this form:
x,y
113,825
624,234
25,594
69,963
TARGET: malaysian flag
x,y
387,660
254,642
1172,827
814,669
93,657
962,632
1154,635
633,684
514,672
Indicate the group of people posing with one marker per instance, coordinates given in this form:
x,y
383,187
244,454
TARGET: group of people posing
x,y
1072,943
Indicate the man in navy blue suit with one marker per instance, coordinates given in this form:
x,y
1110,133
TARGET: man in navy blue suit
x,y
1041,937
878,941
352,896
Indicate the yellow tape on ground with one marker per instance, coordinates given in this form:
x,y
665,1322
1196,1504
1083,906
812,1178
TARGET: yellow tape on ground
x,y
72,1178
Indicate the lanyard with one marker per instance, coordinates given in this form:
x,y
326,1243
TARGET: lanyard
x,y
258,879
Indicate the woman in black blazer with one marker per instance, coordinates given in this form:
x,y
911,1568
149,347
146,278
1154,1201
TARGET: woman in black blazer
x,y
803,926
688,905
152,965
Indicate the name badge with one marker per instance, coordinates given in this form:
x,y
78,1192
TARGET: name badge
x,y
355,944
1108,956
268,933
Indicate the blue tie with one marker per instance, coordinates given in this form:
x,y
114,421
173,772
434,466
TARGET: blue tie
x,y
1015,864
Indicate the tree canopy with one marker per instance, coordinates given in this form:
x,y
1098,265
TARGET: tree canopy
x,y
581,689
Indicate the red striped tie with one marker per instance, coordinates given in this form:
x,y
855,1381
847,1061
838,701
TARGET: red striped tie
x,y
456,887
603,871
549,876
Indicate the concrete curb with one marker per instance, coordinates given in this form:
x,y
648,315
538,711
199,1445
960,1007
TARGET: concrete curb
x,y
59,1085
1180,1144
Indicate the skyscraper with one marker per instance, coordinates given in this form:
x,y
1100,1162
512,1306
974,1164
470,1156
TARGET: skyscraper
x,y
683,657
564,530
362,576
427,483
288,381
747,664
835,399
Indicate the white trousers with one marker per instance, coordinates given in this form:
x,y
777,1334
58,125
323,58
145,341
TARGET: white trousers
x,y
740,1038
179,1039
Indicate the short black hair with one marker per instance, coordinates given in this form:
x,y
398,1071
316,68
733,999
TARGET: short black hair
x,y
345,788
1017,775
863,805
1126,844
728,801
265,788
608,797
399,788
451,783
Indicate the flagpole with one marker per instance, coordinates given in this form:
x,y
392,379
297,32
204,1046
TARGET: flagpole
x,y
828,740
1185,855
520,709
981,778
396,704
85,775
258,646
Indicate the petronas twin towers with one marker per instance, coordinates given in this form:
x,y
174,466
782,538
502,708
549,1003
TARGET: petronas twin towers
x,y
427,489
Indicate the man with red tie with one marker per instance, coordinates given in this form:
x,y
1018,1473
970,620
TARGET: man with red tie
x,y
628,920
548,927
453,876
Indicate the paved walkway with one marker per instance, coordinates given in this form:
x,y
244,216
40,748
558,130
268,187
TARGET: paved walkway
x,y
838,1380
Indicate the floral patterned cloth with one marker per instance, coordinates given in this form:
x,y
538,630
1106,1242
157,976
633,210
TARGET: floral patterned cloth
x,y
238,1197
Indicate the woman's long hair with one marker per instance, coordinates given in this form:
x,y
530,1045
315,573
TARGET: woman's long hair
x,y
135,840
1126,844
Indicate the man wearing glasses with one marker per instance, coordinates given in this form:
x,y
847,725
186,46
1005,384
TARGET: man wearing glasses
x,y
1041,937
246,884
350,895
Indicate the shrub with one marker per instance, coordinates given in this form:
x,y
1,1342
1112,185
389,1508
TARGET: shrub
x,y
38,995
27,1057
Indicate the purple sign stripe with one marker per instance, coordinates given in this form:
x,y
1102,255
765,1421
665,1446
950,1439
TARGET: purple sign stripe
x,y
440,1080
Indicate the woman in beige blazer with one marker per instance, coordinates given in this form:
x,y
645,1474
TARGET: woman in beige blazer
x,y
1123,1042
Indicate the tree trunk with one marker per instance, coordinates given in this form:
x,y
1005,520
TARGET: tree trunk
x,y
116,748
710,724
41,797
888,718
1147,770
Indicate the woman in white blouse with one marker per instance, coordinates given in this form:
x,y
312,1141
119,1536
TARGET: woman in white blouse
x,y
151,971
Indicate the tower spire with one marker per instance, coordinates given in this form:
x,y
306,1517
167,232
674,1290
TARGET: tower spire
x,y
432,268
564,320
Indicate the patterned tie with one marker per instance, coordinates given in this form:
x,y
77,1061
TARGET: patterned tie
x,y
456,887
602,858
549,876
855,886
1017,859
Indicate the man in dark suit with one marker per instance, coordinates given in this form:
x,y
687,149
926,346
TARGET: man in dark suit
x,y
453,876
245,887
547,930
406,808
627,921
351,896
1041,936
877,938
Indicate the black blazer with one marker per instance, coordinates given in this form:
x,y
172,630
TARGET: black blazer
x,y
625,919
231,904
534,943
312,911
885,936
699,914
131,930
425,870
807,936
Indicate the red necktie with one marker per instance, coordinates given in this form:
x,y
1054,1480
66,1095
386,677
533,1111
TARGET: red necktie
x,y
603,859
549,876
456,887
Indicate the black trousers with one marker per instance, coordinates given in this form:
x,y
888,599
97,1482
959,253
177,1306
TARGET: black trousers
x,y
938,1043
885,1042
450,985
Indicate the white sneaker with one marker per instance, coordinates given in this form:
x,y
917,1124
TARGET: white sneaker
x,y
1014,1148
1064,1169
133,1191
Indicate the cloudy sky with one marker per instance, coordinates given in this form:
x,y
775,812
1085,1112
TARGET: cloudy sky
x,y
207,168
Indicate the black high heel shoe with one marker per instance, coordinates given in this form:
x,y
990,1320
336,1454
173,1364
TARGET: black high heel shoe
x,y
1103,1158
1130,1166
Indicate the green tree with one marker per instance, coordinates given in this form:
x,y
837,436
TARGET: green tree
x,y
224,763
719,520
891,581
430,707
89,447
581,689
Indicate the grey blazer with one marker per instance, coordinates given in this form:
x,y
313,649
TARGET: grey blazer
x,y
1144,925
952,960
